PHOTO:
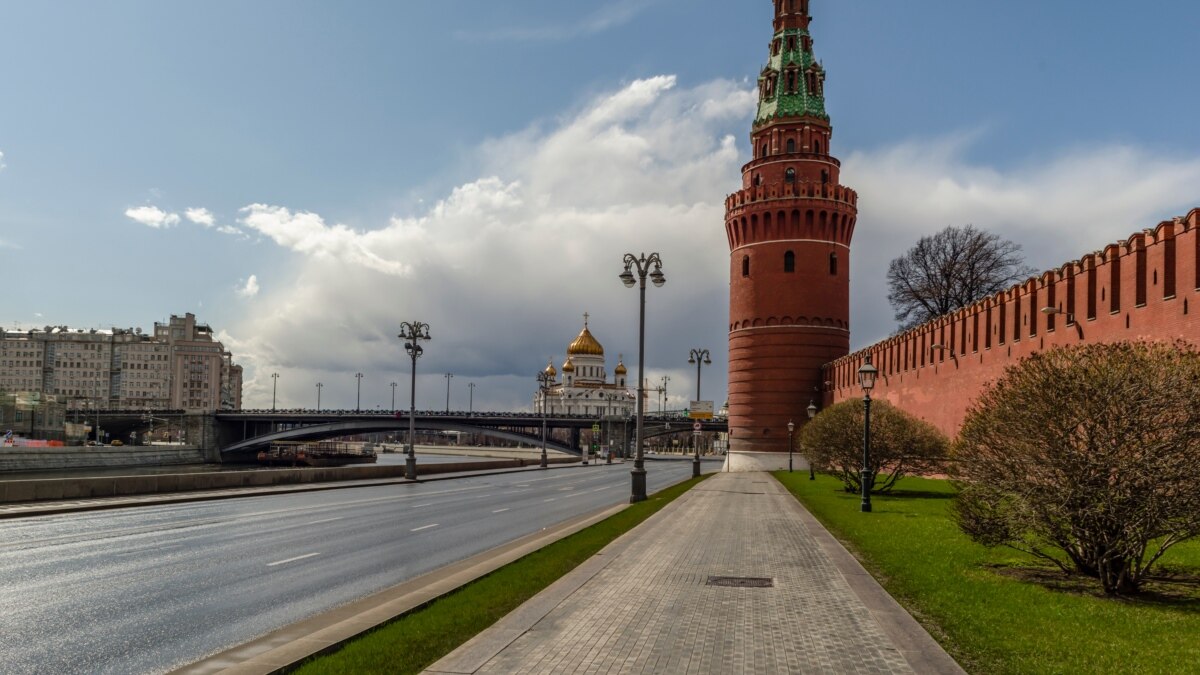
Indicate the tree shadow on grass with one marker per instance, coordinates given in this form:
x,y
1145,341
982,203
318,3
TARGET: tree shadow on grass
x,y
1168,588
918,494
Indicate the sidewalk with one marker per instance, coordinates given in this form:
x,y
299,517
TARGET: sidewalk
x,y
651,601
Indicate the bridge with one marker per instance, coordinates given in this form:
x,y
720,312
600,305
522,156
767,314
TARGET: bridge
x,y
252,430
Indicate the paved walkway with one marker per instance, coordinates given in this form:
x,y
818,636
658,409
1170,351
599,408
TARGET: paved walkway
x,y
647,603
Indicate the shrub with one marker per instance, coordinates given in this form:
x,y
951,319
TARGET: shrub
x,y
1086,457
900,444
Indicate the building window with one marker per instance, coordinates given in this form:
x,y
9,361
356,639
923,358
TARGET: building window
x,y
791,145
789,176
833,264
789,262
745,265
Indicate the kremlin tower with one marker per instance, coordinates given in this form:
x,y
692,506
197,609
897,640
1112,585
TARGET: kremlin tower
x,y
789,231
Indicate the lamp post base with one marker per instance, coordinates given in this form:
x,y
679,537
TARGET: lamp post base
x,y
543,463
410,467
639,486
696,467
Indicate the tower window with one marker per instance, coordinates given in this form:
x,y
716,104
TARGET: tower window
x,y
745,265
763,151
791,82
789,262
833,264
789,176
817,147
791,145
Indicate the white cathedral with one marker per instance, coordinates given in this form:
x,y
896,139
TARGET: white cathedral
x,y
584,388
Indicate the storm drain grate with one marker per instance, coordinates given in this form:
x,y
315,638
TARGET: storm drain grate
x,y
742,582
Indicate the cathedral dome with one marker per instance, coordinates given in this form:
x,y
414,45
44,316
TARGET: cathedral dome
x,y
585,344
550,370
568,367
620,369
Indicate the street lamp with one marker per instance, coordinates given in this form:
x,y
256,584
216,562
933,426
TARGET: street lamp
x,y
358,401
393,386
699,357
791,428
866,379
448,376
319,388
412,333
812,412
643,264
471,399
545,379
274,388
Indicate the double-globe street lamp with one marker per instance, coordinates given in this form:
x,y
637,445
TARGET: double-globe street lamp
x,y
358,400
866,379
699,357
643,265
274,388
791,428
413,333
545,379
812,412
319,388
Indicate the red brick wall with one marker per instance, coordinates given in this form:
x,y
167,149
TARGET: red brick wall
x,y
1144,288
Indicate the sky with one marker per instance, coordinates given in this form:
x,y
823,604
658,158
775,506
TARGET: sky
x,y
305,175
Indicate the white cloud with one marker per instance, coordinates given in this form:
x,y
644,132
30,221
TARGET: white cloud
x,y
2,164
504,265
1058,207
606,17
152,216
200,216
250,288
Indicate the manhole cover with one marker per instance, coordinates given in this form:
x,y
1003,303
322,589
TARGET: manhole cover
x,y
742,582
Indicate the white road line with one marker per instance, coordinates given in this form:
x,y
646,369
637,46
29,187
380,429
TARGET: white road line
x,y
548,500
606,487
327,520
423,527
417,506
499,511
299,557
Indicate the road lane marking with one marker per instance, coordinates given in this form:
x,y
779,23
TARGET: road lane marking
x,y
499,511
548,500
417,506
327,520
423,527
290,560
606,487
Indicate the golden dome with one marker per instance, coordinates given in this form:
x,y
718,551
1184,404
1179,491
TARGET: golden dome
x,y
620,369
568,367
550,370
585,343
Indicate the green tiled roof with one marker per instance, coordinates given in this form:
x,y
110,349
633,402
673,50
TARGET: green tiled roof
x,y
801,102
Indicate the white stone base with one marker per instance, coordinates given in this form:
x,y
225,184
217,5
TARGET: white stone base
x,y
743,462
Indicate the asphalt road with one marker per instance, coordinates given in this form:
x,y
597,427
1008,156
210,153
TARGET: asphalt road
x,y
153,588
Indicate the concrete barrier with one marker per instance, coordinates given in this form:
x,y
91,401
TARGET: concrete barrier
x,y
106,457
110,486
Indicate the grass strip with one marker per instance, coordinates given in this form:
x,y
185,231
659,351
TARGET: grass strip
x,y
416,640
997,610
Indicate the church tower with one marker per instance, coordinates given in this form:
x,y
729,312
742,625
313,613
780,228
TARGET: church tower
x,y
789,231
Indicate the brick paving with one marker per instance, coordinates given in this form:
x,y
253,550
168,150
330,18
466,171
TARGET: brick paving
x,y
644,604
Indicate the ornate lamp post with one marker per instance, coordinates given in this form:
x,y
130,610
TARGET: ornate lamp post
x,y
791,428
812,412
699,357
866,379
545,379
412,333
643,265
471,399
274,388
319,388
358,400
393,386
448,376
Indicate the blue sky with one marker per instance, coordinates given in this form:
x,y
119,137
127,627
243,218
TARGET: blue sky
x,y
306,175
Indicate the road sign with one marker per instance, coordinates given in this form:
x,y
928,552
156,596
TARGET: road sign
x,y
595,427
696,426
701,410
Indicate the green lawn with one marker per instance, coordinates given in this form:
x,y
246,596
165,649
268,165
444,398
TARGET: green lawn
x,y
418,639
999,611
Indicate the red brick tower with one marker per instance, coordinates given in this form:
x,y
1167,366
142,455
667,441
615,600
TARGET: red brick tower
x,y
789,230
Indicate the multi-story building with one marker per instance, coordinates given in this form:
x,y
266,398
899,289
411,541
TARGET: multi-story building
x,y
180,366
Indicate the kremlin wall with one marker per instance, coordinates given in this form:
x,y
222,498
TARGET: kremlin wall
x,y
1144,288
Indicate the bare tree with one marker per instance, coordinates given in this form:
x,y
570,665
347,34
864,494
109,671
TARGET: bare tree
x,y
1086,457
950,270
900,444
